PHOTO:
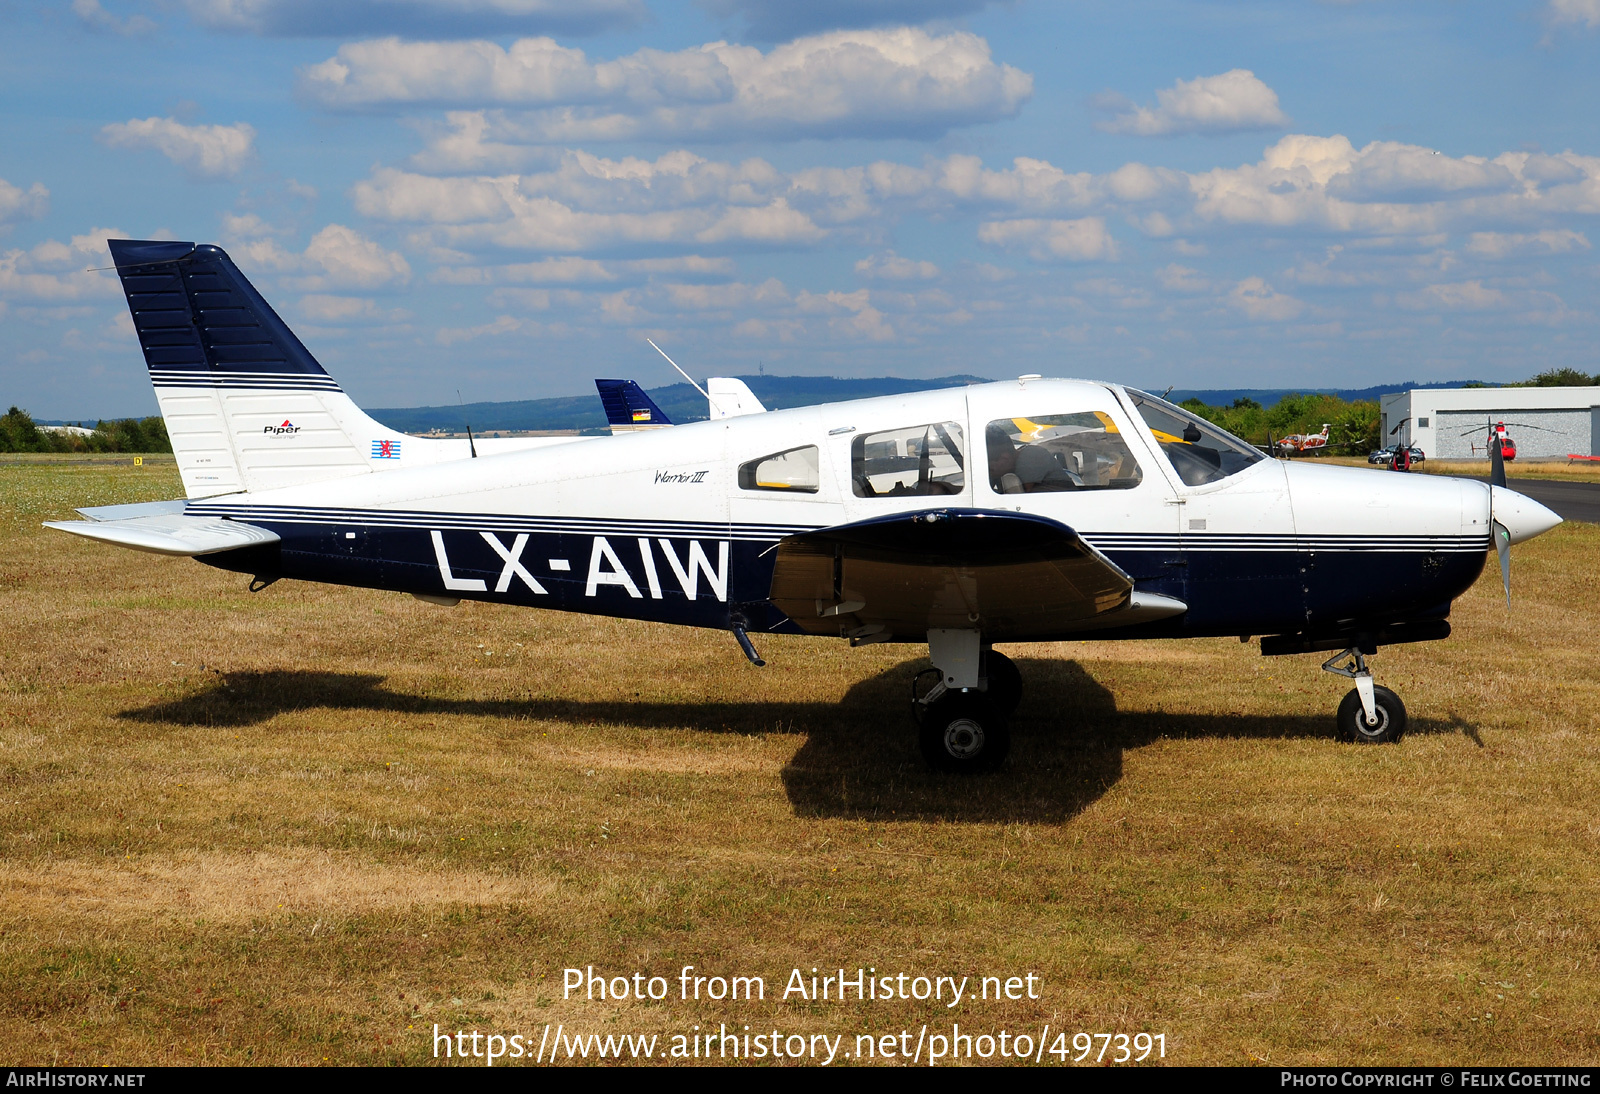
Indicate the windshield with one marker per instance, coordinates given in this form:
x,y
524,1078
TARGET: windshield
x,y
1198,451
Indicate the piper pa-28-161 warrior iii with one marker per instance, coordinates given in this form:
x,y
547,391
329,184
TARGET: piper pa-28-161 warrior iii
x,y
1029,510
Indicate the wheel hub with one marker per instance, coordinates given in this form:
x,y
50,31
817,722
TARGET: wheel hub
x,y
963,738
1375,728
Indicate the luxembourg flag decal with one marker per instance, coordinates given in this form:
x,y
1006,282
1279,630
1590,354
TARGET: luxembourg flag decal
x,y
386,450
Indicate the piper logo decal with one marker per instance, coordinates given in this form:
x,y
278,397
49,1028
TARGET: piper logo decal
x,y
279,430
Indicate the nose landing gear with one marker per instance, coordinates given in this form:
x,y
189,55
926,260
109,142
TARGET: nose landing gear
x,y
1370,714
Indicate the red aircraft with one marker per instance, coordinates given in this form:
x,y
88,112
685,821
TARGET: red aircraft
x,y
1304,442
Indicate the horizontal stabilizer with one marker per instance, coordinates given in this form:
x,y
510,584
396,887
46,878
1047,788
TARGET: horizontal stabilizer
x,y
1011,575
628,408
137,509
171,534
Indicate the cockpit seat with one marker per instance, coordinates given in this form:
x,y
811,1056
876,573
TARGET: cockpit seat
x,y
1037,469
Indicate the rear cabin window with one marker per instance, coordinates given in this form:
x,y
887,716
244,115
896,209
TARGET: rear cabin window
x,y
909,462
1198,451
1048,452
794,470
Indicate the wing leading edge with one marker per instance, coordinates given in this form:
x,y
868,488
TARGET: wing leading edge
x,y
1010,575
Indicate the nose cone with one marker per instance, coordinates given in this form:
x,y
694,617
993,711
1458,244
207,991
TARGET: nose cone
x,y
1520,515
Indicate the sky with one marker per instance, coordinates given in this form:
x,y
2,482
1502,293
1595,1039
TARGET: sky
x,y
503,199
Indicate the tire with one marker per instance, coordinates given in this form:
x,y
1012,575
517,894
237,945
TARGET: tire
x,y
1352,720
1005,682
964,732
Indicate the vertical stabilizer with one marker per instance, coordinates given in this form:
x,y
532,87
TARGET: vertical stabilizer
x,y
628,408
731,398
246,404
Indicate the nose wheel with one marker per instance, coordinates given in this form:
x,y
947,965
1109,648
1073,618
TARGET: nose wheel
x,y
1370,714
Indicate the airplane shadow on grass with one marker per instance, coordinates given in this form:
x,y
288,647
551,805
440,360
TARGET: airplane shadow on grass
x,y
860,756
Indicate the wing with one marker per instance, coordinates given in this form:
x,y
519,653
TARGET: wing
x,y
169,534
1010,575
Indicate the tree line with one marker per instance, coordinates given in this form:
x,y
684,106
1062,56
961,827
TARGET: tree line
x,y
19,433
1355,426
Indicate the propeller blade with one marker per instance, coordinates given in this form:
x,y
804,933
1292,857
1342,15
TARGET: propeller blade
x,y
1502,546
1497,464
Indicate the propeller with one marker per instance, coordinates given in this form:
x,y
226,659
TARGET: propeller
x,y
1502,535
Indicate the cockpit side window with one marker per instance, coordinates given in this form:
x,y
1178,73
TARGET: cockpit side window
x,y
916,460
1041,453
1198,451
794,470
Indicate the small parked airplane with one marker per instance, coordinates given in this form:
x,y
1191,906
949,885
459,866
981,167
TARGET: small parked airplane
x,y
1021,511
1303,442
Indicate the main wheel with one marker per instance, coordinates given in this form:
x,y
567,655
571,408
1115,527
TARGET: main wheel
x,y
964,731
1352,720
1005,681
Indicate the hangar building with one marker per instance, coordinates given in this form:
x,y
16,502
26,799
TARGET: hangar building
x,y
1567,420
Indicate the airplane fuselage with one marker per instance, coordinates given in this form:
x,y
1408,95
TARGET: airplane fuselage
x,y
670,526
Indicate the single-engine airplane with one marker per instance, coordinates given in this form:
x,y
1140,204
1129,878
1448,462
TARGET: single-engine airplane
x,y
1303,442
1026,510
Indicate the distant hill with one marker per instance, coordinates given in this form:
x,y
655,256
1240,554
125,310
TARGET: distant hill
x,y
684,404
1268,396
681,402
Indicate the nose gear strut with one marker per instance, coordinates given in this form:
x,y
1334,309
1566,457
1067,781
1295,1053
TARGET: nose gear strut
x,y
1370,714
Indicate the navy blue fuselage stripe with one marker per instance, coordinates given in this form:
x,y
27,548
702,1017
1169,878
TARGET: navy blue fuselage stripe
x,y
1217,542
1228,592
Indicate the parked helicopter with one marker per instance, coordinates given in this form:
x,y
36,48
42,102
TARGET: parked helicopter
x,y
1019,511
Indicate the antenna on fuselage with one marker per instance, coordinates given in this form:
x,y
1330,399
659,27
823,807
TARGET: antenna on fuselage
x,y
685,375
470,446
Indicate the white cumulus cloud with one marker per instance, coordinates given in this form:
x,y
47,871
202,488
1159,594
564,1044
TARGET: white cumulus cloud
x,y
1082,240
900,82
1260,301
56,272
1582,12
17,203
325,308
888,266
1551,241
678,200
1227,103
91,14
204,151
338,259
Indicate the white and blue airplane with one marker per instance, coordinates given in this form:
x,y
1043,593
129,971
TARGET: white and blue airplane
x,y
1030,510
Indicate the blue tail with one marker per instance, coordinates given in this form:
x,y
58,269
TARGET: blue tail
x,y
628,408
202,324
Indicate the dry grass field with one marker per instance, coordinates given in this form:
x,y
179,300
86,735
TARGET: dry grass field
x,y
305,825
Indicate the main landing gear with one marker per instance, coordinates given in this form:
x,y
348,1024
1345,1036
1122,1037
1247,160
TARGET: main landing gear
x,y
962,719
1370,714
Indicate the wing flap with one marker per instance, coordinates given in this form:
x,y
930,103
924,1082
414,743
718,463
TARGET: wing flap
x,y
170,534
1010,575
